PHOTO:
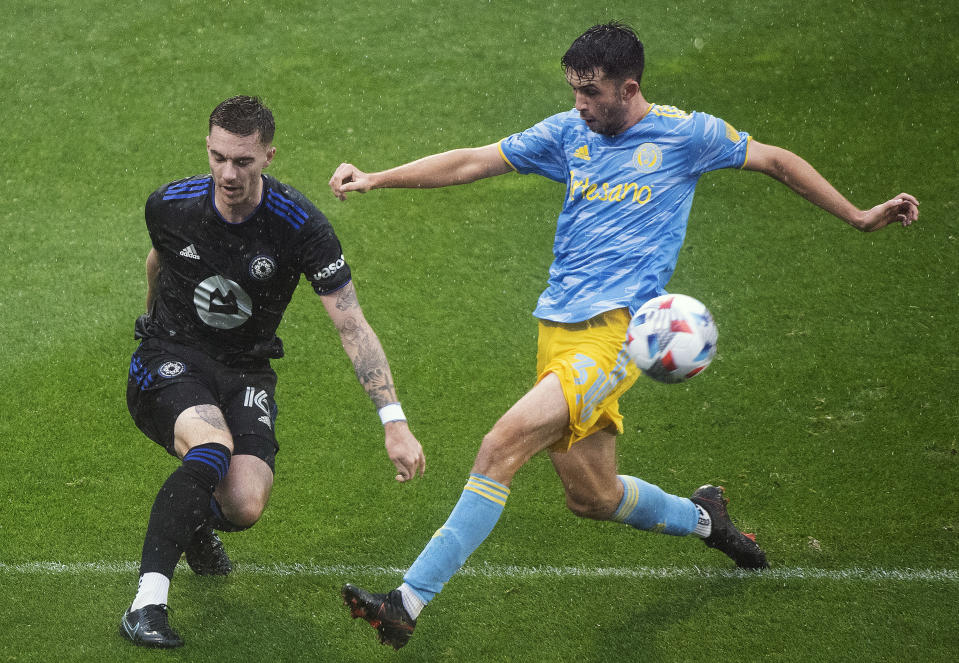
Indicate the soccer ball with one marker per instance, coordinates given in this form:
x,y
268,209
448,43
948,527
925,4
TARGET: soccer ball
x,y
672,338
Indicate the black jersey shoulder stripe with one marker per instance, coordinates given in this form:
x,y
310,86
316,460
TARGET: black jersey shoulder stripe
x,y
191,188
286,209
287,203
196,180
185,194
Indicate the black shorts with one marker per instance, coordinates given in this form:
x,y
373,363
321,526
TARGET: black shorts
x,y
167,378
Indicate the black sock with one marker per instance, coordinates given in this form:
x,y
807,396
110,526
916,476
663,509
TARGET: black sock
x,y
181,506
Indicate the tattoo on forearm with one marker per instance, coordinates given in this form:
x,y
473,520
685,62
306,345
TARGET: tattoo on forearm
x,y
369,362
211,415
377,383
346,298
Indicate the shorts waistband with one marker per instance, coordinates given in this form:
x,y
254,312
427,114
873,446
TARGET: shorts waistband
x,y
601,320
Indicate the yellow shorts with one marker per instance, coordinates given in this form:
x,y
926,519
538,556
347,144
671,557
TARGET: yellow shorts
x,y
590,360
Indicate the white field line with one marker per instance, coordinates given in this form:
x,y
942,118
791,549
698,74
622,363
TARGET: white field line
x,y
495,571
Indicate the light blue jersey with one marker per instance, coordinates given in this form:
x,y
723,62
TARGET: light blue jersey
x,y
627,202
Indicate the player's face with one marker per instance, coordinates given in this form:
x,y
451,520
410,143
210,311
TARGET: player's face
x,y
237,163
600,102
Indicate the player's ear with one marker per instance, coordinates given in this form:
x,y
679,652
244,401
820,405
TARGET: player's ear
x,y
270,153
629,89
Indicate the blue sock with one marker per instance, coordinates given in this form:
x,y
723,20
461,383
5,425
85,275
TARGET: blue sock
x,y
471,521
648,507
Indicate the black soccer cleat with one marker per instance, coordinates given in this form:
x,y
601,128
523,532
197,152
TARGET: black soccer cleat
x,y
726,537
384,612
149,627
206,555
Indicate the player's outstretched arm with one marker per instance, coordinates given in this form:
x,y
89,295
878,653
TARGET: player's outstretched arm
x,y
373,372
798,175
445,169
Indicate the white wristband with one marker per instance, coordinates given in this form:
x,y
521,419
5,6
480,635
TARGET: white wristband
x,y
391,412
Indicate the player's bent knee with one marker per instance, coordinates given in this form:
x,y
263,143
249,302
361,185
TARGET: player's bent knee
x,y
243,515
243,508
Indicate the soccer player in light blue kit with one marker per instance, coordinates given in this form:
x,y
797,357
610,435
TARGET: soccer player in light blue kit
x,y
630,168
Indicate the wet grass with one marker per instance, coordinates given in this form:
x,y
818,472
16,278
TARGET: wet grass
x,y
830,412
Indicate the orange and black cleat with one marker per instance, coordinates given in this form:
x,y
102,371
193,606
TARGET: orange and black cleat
x,y
384,612
725,537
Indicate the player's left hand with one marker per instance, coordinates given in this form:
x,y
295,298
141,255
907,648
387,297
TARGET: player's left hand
x,y
404,450
347,178
903,209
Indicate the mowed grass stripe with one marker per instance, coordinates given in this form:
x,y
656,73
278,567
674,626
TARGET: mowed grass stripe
x,y
498,571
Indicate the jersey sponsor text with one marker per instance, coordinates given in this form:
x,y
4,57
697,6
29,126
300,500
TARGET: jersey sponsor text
x,y
330,269
606,192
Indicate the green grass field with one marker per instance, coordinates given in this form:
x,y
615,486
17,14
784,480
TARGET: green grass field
x,y
830,413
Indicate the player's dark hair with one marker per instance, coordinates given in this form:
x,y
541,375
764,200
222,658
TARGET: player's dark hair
x,y
244,116
612,47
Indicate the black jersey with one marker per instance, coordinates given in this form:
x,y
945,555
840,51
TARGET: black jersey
x,y
223,287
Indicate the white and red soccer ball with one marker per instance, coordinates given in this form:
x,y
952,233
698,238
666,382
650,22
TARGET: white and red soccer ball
x,y
672,338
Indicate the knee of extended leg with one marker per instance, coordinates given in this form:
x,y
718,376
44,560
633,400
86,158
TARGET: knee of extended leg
x,y
498,452
589,507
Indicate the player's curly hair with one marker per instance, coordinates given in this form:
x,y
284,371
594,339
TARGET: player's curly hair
x,y
612,47
244,116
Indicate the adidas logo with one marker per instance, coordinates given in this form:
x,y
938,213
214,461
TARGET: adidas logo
x,y
582,153
190,252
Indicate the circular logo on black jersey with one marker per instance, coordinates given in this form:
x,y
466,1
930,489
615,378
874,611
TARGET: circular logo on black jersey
x,y
222,303
171,369
262,267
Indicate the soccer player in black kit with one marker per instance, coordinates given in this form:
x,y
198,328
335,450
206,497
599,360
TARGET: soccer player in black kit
x,y
228,252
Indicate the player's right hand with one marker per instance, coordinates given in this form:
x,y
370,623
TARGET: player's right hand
x,y
347,178
404,450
